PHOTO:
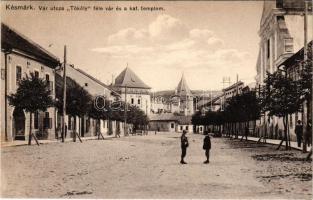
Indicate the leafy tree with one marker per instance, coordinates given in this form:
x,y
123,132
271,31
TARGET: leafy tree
x,y
282,99
78,100
305,83
32,95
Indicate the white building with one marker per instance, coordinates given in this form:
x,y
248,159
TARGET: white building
x,y
133,90
87,126
19,57
281,35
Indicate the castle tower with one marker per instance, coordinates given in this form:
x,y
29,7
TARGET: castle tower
x,y
137,92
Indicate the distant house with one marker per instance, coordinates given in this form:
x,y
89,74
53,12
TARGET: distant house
x,y
166,122
169,122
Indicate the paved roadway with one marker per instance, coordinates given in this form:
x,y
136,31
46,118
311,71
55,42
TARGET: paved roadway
x,y
148,167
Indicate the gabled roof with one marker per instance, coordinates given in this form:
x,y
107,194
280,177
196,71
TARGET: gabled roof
x,y
11,39
129,79
182,88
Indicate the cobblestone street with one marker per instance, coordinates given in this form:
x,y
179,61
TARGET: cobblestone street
x,y
148,167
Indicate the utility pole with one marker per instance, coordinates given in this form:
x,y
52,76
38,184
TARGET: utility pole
x,y
64,94
211,100
125,111
237,85
305,58
305,53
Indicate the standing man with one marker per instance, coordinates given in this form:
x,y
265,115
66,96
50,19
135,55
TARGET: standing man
x,y
184,146
299,132
246,132
207,147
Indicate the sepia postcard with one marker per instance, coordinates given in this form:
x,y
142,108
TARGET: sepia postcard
x,y
208,99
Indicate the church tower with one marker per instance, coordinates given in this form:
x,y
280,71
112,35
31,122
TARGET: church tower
x,y
184,97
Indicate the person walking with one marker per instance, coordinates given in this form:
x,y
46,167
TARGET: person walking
x,y
207,147
184,146
299,132
246,132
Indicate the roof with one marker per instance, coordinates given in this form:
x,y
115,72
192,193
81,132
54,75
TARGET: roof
x,y
296,58
96,80
163,117
182,88
129,79
171,117
184,120
11,39
233,85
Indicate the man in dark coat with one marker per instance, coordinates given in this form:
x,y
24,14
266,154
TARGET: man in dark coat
x,y
207,147
246,132
299,132
184,146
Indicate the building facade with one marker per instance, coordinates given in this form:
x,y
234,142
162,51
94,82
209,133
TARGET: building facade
x,y
19,58
86,126
281,35
133,90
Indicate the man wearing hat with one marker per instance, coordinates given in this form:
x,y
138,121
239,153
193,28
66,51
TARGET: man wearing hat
x,y
207,147
184,146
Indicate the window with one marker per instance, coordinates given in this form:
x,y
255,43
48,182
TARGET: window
x,y
47,78
18,74
186,128
87,125
36,120
200,128
69,122
291,121
47,121
36,74
86,84
138,101
172,125
132,100
268,48
181,127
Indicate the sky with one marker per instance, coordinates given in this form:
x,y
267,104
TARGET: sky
x,y
205,40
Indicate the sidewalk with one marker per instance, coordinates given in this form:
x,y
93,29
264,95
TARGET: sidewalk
x,y
25,142
275,142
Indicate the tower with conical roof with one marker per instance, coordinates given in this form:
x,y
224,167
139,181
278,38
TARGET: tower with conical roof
x,y
182,101
131,87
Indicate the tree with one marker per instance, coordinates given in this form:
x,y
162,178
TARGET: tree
x,y
78,100
282,98
32,95
305,83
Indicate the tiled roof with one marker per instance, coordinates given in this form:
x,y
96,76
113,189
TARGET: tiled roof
x,y
128,78
163,117
11,39
171,117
